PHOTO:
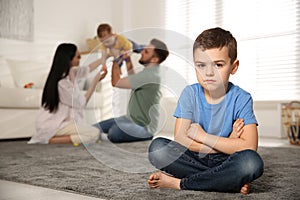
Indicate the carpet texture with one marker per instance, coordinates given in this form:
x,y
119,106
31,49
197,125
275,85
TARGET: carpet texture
x,y
92,171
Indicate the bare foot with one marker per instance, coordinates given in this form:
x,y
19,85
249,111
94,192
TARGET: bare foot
x,y
245,189
161,180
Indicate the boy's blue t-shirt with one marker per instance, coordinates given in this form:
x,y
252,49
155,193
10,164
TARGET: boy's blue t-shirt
x,y
216,119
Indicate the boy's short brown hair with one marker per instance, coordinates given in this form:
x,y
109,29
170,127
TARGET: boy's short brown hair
x,y
102,28
217,38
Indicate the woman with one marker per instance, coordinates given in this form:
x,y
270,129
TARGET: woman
x,y
61,117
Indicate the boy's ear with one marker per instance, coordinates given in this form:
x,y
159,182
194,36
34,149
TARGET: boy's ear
x,y
235,66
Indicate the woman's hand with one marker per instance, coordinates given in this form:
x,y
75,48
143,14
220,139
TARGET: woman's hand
x,y
104,67
101,75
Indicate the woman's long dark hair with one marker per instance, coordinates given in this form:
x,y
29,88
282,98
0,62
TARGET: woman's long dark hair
x,y
60,69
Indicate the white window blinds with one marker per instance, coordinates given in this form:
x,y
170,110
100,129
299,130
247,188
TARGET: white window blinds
x,y
267,32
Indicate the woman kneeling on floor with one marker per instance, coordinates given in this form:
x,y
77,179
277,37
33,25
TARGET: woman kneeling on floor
x,y
61,117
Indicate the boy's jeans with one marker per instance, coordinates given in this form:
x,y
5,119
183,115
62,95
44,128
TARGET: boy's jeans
x,y
122,129
209,172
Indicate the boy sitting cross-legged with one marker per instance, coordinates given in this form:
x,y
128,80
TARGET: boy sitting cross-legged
x,y
215,137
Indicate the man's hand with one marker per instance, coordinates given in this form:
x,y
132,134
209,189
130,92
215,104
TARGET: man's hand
x,y
126,55
237,128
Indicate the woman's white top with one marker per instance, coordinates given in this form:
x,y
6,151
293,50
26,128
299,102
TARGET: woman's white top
x,y
70,108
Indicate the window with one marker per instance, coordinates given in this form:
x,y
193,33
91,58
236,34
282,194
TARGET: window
x,y
268,40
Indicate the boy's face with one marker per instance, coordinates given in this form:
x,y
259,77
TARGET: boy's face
x,y
213,68
108,39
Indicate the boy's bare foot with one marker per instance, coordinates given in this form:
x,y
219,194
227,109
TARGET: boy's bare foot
x,y
245,189
161,180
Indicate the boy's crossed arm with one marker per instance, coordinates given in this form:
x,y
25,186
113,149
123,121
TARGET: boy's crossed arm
x,y
196,139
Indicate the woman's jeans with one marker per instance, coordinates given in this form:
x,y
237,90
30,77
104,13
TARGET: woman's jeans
x,y
122,129
207,172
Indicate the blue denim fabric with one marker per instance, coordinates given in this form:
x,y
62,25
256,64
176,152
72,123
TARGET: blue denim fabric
x,y
206,172
122,129
137,48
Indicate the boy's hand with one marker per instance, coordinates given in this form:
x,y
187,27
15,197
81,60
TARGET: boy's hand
x,y
237,128
196,132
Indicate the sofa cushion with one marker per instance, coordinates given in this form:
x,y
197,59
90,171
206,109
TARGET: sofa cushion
x,y
6,79
20,98
31,98
25,71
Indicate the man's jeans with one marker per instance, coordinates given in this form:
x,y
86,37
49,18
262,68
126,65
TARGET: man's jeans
x,y
122,129
207,172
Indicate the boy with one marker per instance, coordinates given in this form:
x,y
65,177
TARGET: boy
x,y
215,136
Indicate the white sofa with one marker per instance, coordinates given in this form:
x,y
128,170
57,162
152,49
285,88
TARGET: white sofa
x,y
19,105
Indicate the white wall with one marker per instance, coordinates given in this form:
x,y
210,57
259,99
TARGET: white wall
x,y
136,14
57,21
268,114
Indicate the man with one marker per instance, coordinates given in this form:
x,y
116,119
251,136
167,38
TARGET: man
x,y
141,120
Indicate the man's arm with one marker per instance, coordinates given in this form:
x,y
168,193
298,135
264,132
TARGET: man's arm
x,y
129,65
247,140
116,79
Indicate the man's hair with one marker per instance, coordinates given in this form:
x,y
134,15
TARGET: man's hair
x,y
217,38
160,49
102,28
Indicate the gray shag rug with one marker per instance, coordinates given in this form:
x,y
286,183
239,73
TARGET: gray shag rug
x,y
111,171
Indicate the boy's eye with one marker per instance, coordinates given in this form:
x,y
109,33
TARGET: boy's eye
x,y
200,65
218,65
